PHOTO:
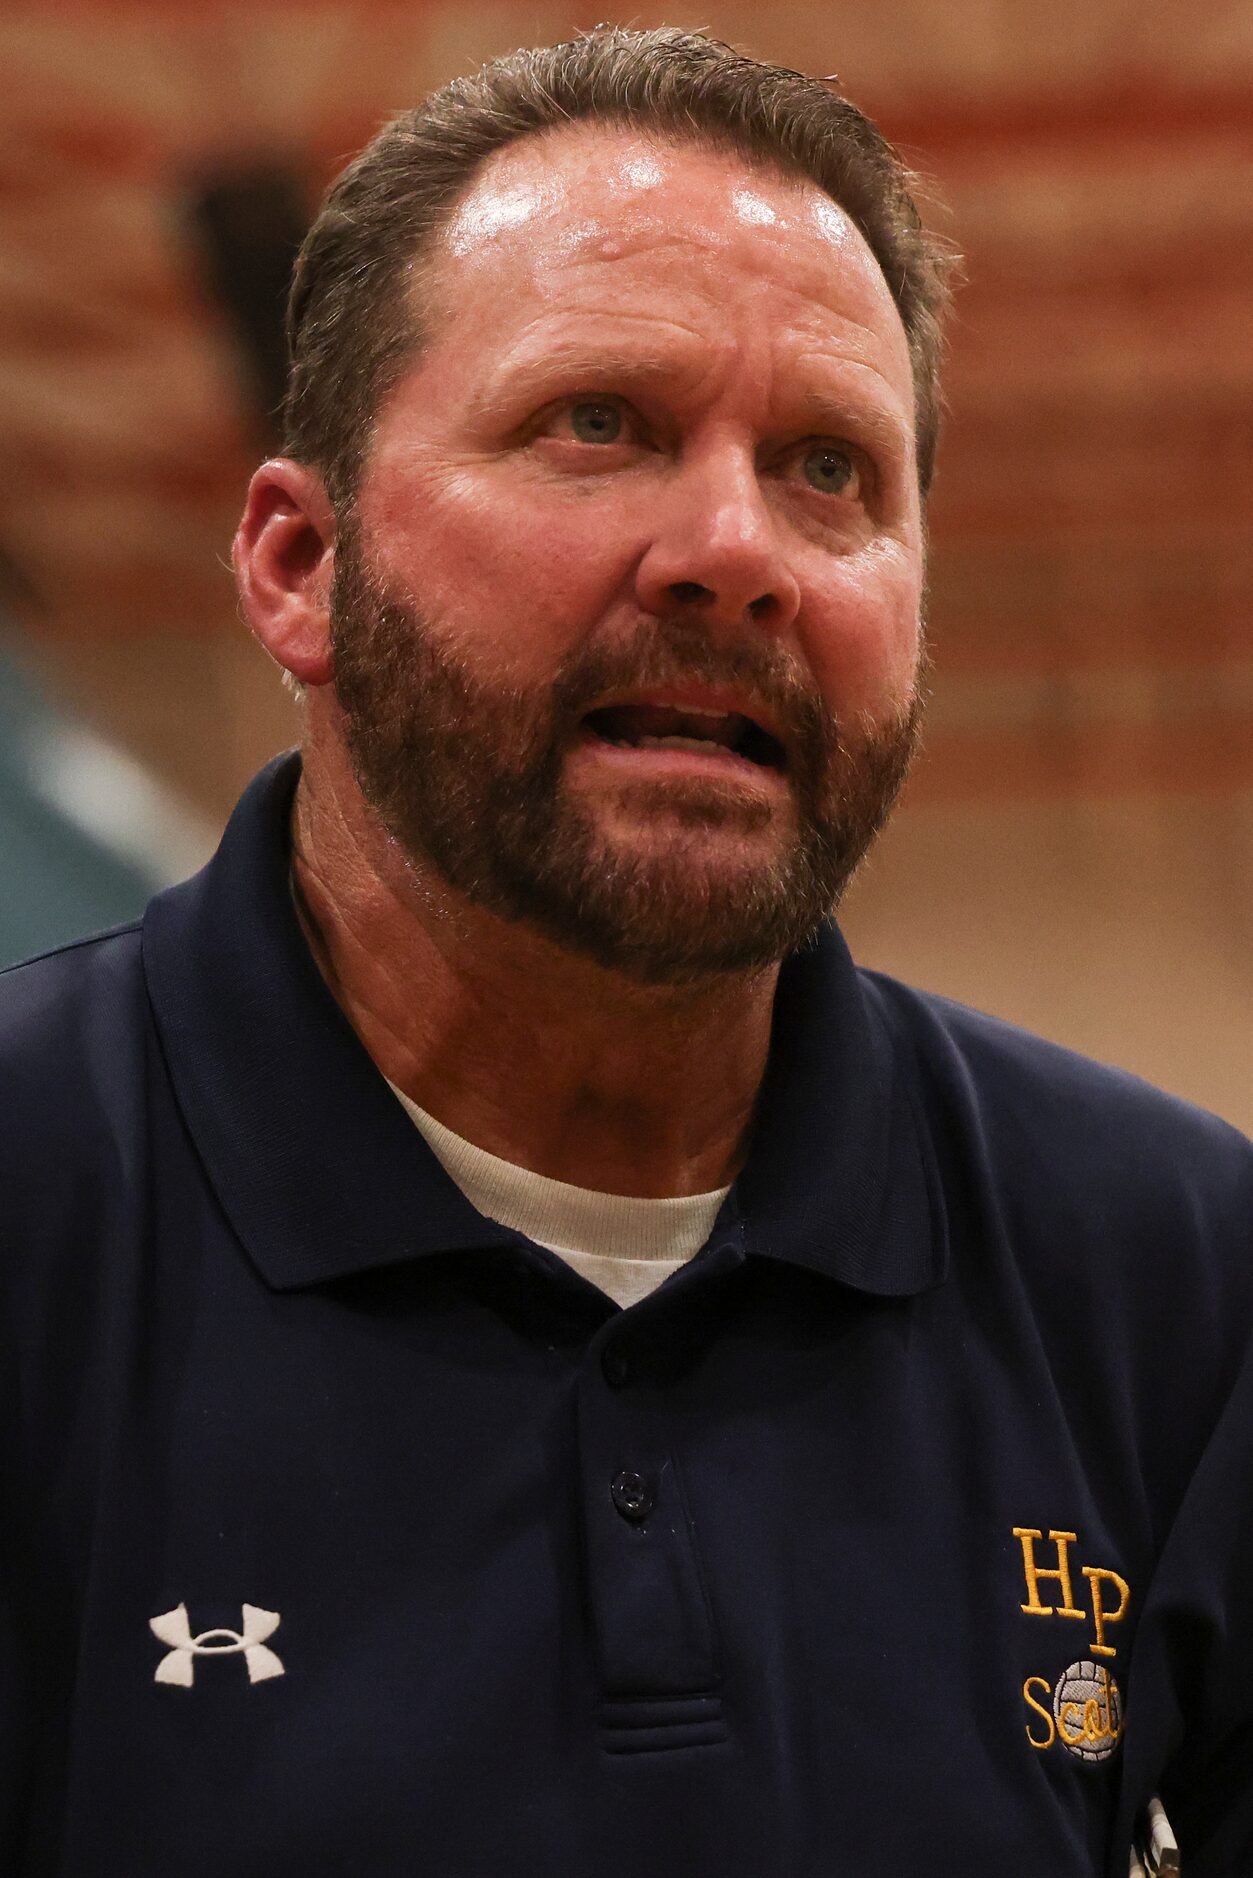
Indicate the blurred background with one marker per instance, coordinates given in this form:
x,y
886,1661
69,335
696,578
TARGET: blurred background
x,y
1075,850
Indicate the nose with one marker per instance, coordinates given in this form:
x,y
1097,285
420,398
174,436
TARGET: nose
x,y
716,549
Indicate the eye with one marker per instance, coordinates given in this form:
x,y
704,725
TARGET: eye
x,y
830,470
595,420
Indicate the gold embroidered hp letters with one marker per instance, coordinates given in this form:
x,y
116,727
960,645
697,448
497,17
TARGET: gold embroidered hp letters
x,y
1103,1612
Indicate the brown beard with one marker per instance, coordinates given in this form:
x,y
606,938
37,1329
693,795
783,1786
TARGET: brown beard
x,y
467,778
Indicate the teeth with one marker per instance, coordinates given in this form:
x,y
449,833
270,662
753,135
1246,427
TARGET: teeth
x,y
701,744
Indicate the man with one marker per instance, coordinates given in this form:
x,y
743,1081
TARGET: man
x,y
627,1392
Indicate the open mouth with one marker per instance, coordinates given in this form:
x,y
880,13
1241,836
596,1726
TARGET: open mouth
x,y
704,733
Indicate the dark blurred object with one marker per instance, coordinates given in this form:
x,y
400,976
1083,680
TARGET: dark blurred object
x,y
248,224
86,835
19,598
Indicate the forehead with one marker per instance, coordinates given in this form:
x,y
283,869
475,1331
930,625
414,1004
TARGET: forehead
x,y
596,214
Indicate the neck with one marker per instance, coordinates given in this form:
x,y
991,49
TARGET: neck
x,y
541,1057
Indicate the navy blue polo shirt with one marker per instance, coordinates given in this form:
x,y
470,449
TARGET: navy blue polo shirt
x,y
909,1527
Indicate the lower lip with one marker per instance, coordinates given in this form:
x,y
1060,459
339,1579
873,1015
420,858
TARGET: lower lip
x,y
718,764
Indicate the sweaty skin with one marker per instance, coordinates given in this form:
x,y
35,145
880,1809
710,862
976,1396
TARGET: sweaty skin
x,y
731,321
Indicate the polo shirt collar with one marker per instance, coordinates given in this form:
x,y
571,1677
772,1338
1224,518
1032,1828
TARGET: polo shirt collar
x,y
322,1174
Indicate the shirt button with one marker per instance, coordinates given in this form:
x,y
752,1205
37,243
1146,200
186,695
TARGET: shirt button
x,y
632,1495
616,1368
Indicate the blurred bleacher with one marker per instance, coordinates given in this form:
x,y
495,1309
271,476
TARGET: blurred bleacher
x,y
87,835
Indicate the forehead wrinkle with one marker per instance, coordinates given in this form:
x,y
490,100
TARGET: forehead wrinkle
x,y
589,317
833,303
828,368
815,311
672,351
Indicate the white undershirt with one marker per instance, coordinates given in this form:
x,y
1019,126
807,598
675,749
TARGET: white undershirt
x,y
623,1245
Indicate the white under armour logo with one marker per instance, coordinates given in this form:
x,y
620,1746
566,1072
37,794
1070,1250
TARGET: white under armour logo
x,y
180,1664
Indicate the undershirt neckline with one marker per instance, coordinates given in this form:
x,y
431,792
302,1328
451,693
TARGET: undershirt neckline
x,y
623,1244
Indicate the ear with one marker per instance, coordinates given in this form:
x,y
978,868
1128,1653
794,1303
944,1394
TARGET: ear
x,y
284,555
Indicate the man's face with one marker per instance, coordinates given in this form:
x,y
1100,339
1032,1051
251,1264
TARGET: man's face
x,y
627,613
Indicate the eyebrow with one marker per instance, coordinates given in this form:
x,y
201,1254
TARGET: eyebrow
x,y
587,366
875,425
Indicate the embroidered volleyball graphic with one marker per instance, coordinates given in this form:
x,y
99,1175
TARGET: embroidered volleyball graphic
x,y
1087,1711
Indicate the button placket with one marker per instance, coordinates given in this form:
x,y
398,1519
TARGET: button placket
x,y
652,1626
